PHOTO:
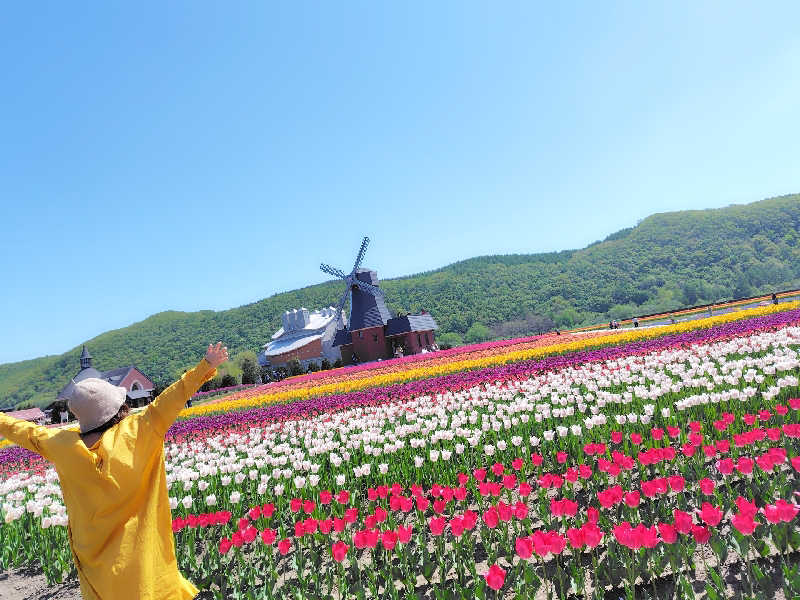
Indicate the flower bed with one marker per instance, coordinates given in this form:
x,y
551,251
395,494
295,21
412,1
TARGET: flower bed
x,y
604,467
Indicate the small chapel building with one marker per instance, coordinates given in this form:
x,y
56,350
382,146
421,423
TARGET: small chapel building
x,y
139,387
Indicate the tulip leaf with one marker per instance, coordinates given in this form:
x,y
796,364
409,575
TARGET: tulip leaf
x,y
717,580
711,592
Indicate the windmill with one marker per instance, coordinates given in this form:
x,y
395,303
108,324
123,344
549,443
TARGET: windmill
x,y
352,283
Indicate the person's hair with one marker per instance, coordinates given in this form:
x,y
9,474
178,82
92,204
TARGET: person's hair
x,y
123,412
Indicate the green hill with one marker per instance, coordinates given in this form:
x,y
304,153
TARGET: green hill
x,y
667,261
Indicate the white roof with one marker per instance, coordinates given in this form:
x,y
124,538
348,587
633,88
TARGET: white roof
x,y
316,322
281,346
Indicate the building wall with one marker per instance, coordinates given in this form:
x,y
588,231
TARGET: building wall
x,y
370,345
412,341
136,376
309,352
347,354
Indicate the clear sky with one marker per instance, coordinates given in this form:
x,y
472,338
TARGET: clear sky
x,y
191,155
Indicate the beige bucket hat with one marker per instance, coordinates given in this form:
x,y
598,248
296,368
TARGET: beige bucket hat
x,y
95,401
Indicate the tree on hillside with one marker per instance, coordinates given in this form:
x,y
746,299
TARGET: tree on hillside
x,y
248,363
449,340
477,332
228,380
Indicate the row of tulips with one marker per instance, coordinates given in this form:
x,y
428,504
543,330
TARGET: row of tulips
x,y
263,395
552,476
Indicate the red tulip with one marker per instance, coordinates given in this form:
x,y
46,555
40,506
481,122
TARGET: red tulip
x,y
701,534
224,545
495,577
561,457
524,489
746,507
404,534
479,474
616,437
491,518
710,514
268,510
683,521
632,499
295,504
339,551
744,465
437,525
325,497
576,538
351,515
470,519
524,547
389,539
237,539
706,486
284,546
254,513
725,466
517,464
343,497
268,536
668,533
744,524
592,534
249,534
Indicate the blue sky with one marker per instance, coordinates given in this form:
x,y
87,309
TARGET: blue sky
x,y
194,155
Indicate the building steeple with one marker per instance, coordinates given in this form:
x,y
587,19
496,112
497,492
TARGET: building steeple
x,y
86,359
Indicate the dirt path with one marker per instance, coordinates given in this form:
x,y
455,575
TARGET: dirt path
x,y
24,584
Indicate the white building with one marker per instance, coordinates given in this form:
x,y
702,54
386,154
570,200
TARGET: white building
x,y
305,336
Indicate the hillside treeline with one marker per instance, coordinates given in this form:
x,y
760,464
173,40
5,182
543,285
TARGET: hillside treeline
x,y
665,262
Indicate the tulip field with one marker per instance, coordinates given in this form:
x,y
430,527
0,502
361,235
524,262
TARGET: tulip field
x,y
657,462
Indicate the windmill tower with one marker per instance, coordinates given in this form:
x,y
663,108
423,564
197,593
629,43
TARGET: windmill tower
x,y
368,312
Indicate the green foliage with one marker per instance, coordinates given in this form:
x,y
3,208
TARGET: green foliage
x,y
248,363
325,365
449,340
666,262
228,380
477,332
294,367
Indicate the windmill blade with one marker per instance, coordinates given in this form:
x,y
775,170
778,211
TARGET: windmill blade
x,y
368,287
339,320
332,271
361,252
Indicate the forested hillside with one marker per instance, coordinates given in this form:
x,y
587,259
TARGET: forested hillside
x,y
667,261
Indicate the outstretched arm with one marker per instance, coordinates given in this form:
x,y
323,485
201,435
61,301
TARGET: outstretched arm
x,y
164,409
28,435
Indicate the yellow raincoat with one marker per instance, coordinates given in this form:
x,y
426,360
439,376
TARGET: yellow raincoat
x,y
115,492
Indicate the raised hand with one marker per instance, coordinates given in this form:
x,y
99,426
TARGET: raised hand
x,y
216,355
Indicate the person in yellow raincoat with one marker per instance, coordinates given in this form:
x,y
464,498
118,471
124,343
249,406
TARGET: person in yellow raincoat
x,y
114,485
